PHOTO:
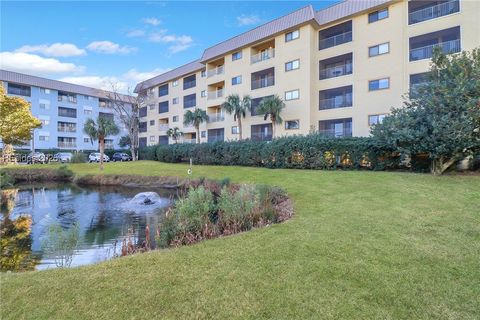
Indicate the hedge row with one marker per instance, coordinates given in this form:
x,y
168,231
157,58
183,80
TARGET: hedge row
x,y
303,152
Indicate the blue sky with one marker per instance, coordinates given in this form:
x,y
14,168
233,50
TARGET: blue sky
x,y
96,42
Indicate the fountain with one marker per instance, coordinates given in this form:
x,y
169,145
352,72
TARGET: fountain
x,y
145,198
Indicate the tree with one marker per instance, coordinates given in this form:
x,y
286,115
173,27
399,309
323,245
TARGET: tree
x,y
442,120
98,131
197,117
272,107
127,108
238,107
125,142
174,133
16,122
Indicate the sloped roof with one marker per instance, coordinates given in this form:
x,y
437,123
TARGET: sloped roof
x,y
35,81
169,75
345,9
266,30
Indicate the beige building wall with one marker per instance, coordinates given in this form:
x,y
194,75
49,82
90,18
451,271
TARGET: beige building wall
x,y
394,65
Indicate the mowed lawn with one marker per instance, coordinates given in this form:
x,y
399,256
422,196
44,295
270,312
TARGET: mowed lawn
x,y
361,245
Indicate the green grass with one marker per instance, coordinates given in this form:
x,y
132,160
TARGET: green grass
x,y
362,245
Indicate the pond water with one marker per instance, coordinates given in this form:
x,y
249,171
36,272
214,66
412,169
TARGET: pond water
x,y
96,219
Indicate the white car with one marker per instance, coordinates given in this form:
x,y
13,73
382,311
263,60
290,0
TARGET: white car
x,y
95,157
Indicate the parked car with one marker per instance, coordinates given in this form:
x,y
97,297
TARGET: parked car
x,y
95,157
36,157
63,157
120,156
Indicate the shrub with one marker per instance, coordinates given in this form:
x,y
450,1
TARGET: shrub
x,y
79,157
6,180
63,173
195,210
236,209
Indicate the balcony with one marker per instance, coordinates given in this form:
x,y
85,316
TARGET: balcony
x,y
336,133
66,129
211,95
163,127
336,102
434,10
193,141
336,128
215,71
426,52
67,145
215,117
336,35
336,71
262,56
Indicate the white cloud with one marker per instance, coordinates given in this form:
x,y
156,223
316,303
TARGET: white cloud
x,y
137,76
248,20
177,43
136,33
34,64
108,47
53,50
151,21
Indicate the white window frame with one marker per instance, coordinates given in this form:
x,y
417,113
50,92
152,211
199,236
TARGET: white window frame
x,y
290,95
382,48
293,37
292,63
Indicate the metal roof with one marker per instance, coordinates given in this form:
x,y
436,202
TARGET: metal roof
x,y
169,75
21,78
345,9
266,30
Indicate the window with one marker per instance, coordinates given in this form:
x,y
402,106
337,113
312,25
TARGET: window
x,y
235,130
152,139
87,111
292,65
203,134
45,122
67,112
66,126
142,126
43,138
106,115
216,135
292,35
340,97
151,107
379,49
142,112
67,96
255,103
175,100
378,15
336,128
86,140
19,90
163,90
379,84
237,55
175,83
190,101
44,106
163,107
236,80
203,94
263,78
142,142
44,90
189,82
203,74
292,95
152,122
261,132
376,119
292,124
163,140
150,91
175,119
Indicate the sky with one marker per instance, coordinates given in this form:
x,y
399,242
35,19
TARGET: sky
x,y
96,43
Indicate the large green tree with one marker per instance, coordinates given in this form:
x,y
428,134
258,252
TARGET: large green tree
x,y
272,108
238,107
98,131
195,118
16,122
442,119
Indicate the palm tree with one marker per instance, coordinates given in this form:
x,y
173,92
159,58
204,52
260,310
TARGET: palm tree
x,y
197,117
174,133
272,107
238,107
98,131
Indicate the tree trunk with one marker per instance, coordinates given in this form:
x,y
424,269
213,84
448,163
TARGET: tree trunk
x,y
239,120
7,152
101,142
273,126
198,134
439,166
133,133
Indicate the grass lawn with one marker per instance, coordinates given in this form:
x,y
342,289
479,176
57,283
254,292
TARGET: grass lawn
x,y
362,245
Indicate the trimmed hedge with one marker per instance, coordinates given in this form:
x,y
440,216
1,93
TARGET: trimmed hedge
x,y
302,152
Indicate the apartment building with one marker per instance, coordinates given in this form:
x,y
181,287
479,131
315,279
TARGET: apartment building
x,y
339,70
63,109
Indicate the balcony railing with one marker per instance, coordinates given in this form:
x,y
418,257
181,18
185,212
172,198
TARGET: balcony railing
x,y
216,117
336,40
188,127
163,127
336,133
336,71
66,129
214,94
215,71
426,52
261,137
433,12
189,140
263,82
337,102
261,56
67,145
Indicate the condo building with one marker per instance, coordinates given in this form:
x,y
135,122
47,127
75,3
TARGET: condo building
x,y
63,109
339,70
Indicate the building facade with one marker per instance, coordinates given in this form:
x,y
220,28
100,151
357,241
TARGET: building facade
x,y
63,109
339,70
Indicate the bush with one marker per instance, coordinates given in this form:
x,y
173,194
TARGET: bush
x,y
195,210
236,209
6,180
63,173
79,157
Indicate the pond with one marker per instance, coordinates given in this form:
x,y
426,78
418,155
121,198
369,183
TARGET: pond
x,y
84,224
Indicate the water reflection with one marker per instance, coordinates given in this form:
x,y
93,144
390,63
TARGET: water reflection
x,y
102,215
